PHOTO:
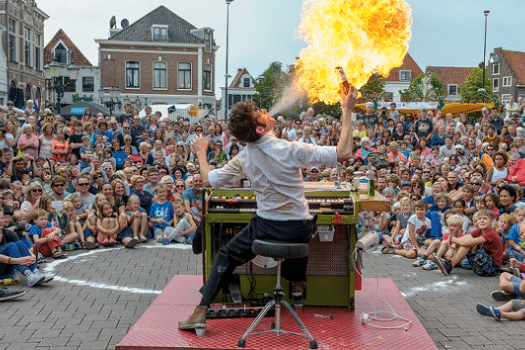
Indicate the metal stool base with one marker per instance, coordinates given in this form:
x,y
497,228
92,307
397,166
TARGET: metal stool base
x,y
278,302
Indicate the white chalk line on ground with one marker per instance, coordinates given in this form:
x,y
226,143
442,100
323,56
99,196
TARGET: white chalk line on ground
x,y
52,266
450,283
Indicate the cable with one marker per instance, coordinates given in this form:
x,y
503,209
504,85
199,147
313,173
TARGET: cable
x,y
374,316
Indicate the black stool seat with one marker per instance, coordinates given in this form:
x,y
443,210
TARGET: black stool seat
x,y
279,249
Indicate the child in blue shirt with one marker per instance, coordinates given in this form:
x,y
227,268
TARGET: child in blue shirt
x,y
161,215
86,152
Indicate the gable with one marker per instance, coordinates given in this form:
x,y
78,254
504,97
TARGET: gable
x,y
76,55
408,65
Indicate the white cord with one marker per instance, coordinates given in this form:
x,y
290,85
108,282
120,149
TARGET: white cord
x,y
374,316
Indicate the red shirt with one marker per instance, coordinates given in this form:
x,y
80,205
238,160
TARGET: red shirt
x,y
493,245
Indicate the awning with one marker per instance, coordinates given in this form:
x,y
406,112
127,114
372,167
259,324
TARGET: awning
x,y
78,110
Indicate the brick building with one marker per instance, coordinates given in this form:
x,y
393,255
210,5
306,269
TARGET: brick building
x,y
399,78
62,50
160,59
451,78
506,69
22,42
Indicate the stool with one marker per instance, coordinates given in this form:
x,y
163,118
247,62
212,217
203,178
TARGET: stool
x,y
278,250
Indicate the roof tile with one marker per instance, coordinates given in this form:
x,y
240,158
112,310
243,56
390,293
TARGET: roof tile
x,y
76,55
450,75
516,61
408,64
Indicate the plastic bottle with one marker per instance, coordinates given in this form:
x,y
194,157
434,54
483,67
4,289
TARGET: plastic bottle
x,y
372,179
364,187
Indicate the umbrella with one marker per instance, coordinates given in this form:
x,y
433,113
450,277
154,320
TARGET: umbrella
x,y
79,108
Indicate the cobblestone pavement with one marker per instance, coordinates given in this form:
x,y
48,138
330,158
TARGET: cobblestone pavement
x,y
97,296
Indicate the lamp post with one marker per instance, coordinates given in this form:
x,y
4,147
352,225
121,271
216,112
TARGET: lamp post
x,y
486,13
227,75
54,81
114,94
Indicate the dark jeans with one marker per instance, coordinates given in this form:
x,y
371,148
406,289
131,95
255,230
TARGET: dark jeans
x,y
16,249
239,251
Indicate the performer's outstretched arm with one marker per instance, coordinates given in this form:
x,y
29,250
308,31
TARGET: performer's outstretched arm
x,y
345,145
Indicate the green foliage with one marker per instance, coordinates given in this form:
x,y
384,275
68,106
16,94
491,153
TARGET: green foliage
x,y
469,90
417,91
374,89
269,88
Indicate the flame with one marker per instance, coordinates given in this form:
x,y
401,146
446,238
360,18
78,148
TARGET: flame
x,y
362,36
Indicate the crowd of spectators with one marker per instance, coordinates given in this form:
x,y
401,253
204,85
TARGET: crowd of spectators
x,y
97,181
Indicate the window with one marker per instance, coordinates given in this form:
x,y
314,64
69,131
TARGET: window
x,y
207,42
133,74
159,75
69,85
246,82
207,77
61,54
160,33
12,40
495,69
27,46
405,75
452,89
88,84
495,84
507,81
184,77
38,40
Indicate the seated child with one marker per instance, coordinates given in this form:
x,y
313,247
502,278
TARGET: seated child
x,y
137,218
514,310
482,247
45,236
71,228
491,201
107,225
502,227
515,240
510,284
184,224
18,224
90,232
414,238
377,222
16,257
161,215
454,225
402,223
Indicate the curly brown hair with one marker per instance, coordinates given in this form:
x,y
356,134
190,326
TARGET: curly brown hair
x,y
242,123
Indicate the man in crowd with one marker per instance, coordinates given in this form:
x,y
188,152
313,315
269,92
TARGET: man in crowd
x,y
193,197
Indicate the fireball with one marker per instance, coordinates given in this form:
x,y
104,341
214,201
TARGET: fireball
x,y
362,36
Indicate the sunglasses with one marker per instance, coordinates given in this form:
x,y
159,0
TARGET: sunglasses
x,y
108,169
59,185
475,183
314,171
180,146
84,184
180,186
98,177
36,190
416,186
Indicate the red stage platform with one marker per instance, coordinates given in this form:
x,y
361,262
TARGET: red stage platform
x,y
157,328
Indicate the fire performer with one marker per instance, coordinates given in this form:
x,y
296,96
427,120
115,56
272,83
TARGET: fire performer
x,y
274,168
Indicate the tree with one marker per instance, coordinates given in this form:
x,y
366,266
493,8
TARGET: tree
x,y
423,88
469,91
374,89
269,88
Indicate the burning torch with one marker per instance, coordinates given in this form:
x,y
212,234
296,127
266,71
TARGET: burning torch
x,y
344,81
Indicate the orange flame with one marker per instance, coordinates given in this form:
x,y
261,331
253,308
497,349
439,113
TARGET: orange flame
x,y
362,36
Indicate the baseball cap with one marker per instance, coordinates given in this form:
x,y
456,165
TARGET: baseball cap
x,y
406,183
280,119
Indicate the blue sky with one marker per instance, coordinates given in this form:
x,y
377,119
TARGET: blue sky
x,y
444,33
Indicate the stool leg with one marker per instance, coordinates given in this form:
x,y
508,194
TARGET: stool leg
x,y
259,318
297,319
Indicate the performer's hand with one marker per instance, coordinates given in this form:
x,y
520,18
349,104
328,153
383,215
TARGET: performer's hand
x,y
199,144
349,99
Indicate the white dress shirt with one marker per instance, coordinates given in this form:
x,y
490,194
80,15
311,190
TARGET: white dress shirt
x,y
274,168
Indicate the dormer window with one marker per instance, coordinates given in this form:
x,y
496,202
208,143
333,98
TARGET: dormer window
x,y
61,54
159,33
405,75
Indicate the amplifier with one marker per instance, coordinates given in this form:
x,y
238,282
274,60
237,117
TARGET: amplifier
x,y
330,271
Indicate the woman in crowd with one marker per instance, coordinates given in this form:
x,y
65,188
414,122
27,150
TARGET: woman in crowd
x,y
137,188
28,141
145,153
34,192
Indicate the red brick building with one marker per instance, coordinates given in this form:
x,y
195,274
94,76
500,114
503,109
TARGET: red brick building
x,y
451,78
506,69
399,78
160,59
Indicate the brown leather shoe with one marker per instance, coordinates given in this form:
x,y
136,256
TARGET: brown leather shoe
x,y
196,320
